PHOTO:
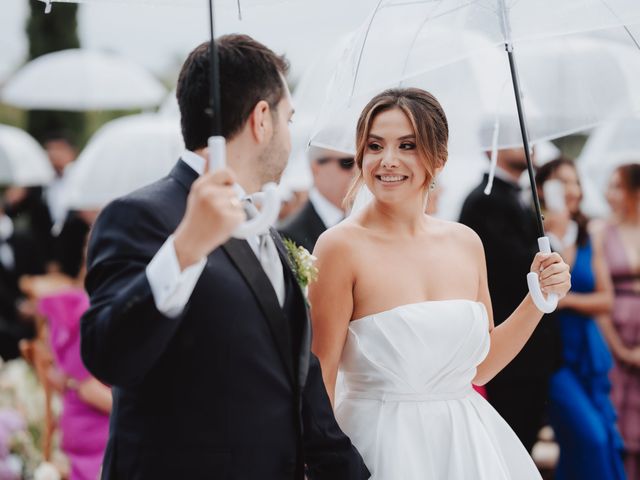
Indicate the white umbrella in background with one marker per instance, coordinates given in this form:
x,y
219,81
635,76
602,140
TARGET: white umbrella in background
x,y
81,80
609,146
23,162
6,68
124,155
169,107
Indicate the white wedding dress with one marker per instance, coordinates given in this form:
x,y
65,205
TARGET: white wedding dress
x,y
407,402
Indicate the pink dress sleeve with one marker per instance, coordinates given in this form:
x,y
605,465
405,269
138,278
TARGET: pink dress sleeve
x,y
63,312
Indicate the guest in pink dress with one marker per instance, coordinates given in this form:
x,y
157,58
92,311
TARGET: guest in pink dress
x,y
622,329
84,422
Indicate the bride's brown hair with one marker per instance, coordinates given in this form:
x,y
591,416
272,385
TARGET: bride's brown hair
x,y
427,119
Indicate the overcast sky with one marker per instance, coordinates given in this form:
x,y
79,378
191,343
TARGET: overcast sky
x,y
160,37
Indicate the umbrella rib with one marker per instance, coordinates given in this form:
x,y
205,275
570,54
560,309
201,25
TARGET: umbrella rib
x,y
422,25
460,7
375,12
635,41
364,42
446,12
415,39
613,12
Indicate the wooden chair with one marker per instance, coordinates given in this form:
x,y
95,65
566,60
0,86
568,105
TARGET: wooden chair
x,y
37,352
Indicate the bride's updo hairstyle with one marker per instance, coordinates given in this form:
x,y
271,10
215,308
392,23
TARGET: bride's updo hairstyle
x,y
427,119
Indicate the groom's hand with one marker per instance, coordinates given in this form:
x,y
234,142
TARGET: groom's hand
x,y
213,213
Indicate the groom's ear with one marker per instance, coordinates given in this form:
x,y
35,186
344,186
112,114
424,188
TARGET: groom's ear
x,y
261,122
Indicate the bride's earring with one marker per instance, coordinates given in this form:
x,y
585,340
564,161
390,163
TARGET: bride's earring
x,y
431,188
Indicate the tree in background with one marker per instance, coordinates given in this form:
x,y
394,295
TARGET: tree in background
x,y
48,33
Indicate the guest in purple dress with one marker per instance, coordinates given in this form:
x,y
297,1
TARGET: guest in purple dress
x,y
84,422
622,328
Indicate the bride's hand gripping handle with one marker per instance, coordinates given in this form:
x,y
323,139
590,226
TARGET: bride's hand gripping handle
x,y
269,197
549,275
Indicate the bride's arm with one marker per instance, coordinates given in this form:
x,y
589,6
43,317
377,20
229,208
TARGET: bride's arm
x,y
508,338
331,302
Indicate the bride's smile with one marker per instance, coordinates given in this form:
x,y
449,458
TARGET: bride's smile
x,y
391,178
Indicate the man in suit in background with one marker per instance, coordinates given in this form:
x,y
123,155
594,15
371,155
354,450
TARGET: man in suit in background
x,y
206,338
505,221
19,256
332,175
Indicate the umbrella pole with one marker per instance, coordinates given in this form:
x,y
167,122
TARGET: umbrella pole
x,y
214,77
525,138
550,303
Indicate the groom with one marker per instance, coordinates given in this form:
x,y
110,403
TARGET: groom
x,y
205,338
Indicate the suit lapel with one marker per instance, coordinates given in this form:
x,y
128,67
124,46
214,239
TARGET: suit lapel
x,y
305,340
248,265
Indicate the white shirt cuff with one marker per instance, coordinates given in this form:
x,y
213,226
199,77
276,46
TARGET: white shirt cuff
x,y
172,288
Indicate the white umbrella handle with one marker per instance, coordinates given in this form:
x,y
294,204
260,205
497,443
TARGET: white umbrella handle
x,y
545,305
269,196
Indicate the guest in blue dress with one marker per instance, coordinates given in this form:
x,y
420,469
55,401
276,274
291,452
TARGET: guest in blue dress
x,y
580,410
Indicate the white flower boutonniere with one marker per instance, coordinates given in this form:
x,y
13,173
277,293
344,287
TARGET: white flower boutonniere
x,y
303,264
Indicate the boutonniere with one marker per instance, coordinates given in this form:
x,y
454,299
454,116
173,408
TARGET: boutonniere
x,y
302,263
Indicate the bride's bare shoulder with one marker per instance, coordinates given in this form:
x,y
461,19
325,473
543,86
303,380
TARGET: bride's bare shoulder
x,y
338,240
458,233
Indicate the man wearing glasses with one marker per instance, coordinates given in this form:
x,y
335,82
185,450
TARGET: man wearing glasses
x,y
332,175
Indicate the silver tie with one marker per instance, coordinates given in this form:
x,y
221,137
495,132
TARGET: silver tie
x,y
272,265
269,258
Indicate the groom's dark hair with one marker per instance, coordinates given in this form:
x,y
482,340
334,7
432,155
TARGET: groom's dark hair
x,y
249,73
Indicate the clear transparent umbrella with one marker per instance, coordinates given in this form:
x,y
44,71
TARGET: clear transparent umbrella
x,y
406,43
79,80
23,162
502,22
125,154
569,84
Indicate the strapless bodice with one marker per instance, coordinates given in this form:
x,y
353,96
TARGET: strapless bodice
x,y
406,400
420,351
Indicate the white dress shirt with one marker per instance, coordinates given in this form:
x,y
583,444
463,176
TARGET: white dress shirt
x,y
171,287
327,211
55,197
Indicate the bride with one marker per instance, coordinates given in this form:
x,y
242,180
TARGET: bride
x,y
402,307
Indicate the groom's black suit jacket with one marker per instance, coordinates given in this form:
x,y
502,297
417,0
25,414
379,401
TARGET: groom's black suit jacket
x,y
227,390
